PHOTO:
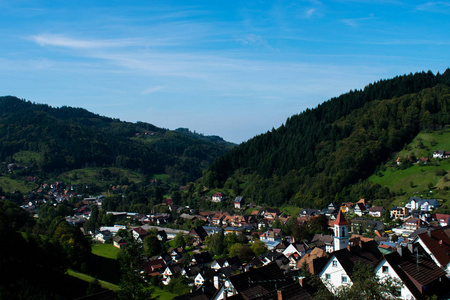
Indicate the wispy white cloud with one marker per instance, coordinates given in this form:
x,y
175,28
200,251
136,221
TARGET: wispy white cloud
x,y
68,42
152,90
310,12
254,39
438,7
355,22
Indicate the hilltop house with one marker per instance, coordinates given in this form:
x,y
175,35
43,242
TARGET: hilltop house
x,y
416,203
218,197
238,202
441,154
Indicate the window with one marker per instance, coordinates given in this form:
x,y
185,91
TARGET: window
x,y
327,276
385,269
344,279
334,263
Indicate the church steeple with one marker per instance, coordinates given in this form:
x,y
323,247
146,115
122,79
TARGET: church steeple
x,y
340,232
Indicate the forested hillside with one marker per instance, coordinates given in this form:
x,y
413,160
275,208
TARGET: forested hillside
x,y
323,154
60,139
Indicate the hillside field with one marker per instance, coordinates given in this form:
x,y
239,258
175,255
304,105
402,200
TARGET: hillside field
x,y
430,180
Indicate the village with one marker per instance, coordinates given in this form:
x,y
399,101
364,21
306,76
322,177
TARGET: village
x,y
410,243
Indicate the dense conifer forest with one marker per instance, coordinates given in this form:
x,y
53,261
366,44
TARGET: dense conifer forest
x,y
324,154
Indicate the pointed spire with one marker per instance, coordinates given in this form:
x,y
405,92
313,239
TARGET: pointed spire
x,y
340,220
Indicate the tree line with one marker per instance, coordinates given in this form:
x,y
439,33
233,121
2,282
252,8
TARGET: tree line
x,y
324,154
70,138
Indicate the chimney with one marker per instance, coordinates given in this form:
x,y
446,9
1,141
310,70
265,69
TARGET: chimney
x,y
400,250
429,232
280,295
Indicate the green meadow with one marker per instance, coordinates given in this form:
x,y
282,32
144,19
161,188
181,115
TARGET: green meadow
x,y
430,180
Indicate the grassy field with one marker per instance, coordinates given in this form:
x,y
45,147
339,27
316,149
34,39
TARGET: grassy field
x,y
10,185
27,157
84,277
156,292
162,177
290,210
426,143
427,181
105,250
99,176
161,294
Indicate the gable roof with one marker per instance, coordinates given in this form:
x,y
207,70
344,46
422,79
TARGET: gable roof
x,y
327,239
206,292
438,243
419,267
202,258
444,218
376,209
266,283
367,253
395,260
175,269
140,231
360,206
199,231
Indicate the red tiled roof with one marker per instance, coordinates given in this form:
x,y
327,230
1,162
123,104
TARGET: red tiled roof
x,y
441,217
340,220
438,244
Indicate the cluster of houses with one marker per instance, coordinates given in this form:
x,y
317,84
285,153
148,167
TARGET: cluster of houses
x,y
437,154
420,258
441,154
421,267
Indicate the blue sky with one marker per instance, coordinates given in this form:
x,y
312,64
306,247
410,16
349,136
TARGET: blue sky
x,y
229,68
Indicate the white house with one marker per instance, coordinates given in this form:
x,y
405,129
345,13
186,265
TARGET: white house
x,y
416,275
388,268
416,203
238,202
333,274
377,211
171,271
340,264
103,235
438,154
360,209
217,197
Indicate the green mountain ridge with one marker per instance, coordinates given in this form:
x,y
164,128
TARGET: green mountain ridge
x,y
65,138
326,153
